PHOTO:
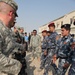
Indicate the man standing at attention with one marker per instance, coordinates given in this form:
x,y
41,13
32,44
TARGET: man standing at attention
x,y
50,49
35,43
64,50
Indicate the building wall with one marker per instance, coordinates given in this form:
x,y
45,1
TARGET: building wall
x,y
68,18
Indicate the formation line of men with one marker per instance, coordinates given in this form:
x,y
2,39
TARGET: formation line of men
x,y
55,47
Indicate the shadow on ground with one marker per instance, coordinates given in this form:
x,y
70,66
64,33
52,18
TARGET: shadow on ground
x,y
30,68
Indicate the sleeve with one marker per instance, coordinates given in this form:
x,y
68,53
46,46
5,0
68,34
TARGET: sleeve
x,y
44,44
39,41
31,41
8,65
57,47
11,45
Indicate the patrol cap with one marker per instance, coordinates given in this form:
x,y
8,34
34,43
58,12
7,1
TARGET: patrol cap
x,y
44,31
66,26
12,3
51,24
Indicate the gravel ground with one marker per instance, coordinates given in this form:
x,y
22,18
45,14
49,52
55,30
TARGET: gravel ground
x,y
33,66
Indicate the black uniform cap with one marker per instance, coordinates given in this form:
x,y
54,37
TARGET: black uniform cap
x,y
66,26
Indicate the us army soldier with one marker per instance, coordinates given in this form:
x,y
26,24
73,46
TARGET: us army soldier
x,y
8,14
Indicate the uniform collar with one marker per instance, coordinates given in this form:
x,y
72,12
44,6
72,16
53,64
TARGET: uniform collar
x,y
66,37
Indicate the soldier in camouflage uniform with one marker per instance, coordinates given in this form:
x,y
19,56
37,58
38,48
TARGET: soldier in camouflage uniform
x,y
20,55
72,67
64,49
8,14
35,44
50,48
44,34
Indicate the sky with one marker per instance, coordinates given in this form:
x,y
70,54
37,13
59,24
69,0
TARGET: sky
x,y
35,13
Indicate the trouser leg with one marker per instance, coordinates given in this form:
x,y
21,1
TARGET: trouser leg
x,y
49,67
42,60
61,70
72,69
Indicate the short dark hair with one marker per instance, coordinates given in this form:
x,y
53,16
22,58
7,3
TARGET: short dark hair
x,y
34,30
25,32
72,35
66,26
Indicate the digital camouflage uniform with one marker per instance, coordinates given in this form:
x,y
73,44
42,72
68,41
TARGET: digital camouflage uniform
x,y
72,67
42,53
51,50
64,54
7,47
22,56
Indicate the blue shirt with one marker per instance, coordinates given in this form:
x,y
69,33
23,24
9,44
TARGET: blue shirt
x,y
26,38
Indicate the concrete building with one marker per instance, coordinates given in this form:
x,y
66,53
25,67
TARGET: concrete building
x,y
67,18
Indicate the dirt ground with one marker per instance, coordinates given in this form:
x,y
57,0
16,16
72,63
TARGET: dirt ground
x,y
33,66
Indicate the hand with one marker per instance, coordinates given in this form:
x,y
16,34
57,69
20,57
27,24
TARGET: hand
x,y
45,52
66,65
54,58
57,37
22,52
73,45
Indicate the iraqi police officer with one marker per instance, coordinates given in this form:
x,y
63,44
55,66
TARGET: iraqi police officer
x,y
72,67
50,49
44,34
48,33
64,50
8,14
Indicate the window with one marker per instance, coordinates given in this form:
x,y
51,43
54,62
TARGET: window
x,y
70,20
61,23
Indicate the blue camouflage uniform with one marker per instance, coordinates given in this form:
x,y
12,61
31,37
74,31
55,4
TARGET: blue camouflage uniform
x,y
64,54
72,67
51,50
42,54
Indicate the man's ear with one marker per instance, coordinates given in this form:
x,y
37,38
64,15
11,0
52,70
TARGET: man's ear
x,y
10,13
